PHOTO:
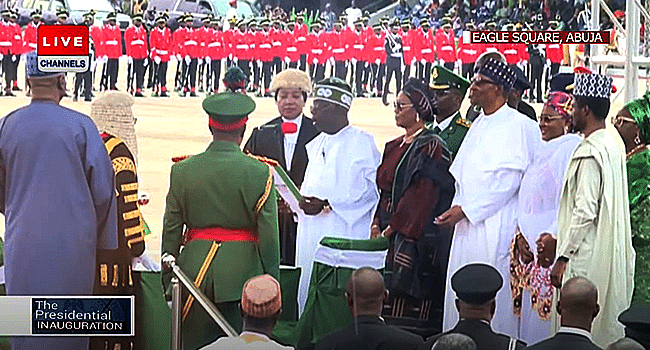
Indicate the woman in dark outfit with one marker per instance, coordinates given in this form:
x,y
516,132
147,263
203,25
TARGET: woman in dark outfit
x,y
415,186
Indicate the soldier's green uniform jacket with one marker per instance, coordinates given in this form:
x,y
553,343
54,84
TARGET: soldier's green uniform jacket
x,y
454,133
223,187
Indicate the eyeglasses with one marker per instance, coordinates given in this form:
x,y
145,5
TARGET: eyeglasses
x,y
399,106
619,120
547,118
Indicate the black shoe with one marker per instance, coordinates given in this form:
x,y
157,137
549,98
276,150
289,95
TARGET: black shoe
x,y
193,94
139,94
9,93
201,90
88,99
384,99
16,88
75,98
164,94
539,100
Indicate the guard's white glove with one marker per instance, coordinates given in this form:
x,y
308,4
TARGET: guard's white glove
x,y
188,59
104,59
146,62
200,61
315,60
332,61
13,58
525,62
366,64
548,62
520,65
129,60
208,60
287,60
378,61
157,59
144,262
230,56
442,61
260,64
354,61
397,47
413,60
168,261
235,60
1,56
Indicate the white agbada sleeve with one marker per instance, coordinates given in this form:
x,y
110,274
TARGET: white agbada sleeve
x,y
499,188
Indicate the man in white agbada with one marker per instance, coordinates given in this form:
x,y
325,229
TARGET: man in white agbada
x,y
594,237
339,189
488,169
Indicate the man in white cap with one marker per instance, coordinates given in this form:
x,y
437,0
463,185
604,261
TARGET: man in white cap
x,y
261,305
594,235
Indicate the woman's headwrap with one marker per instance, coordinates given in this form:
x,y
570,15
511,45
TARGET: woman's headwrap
x,y
640,111
420,95
560,102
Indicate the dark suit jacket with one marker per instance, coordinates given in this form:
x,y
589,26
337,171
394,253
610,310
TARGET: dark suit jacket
x,y
373,334
566,341
482,334
267,140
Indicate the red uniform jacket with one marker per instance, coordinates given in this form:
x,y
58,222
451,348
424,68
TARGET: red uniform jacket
x,y
376,44
192,43
407,42
427,46
446,46
135,39
96,35
278,41
5,38
300,33
215,45
112,41
292,47
179,37
160,42
265,46
467,53
337,47
318,47
29,37
555,52
241,45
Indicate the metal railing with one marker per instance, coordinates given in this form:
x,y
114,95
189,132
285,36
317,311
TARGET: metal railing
x,y
178,278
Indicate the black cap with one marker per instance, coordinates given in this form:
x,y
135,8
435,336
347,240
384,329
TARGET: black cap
x,y
476,283
561,81
636,320
522,83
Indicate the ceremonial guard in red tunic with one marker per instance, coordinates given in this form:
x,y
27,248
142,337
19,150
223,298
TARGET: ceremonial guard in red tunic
x,y
112,41
135,39
160,42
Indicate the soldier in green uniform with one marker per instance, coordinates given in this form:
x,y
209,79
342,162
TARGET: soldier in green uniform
x,y
221,209
449,91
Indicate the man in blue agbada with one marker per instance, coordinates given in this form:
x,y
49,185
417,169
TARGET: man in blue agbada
x,y
57,193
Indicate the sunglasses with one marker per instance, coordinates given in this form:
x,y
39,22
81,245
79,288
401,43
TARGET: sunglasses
x,y
619,120
547,118
399,106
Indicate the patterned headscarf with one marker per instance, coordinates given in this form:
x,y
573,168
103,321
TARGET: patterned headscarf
x,y
419,94
640,111
560,102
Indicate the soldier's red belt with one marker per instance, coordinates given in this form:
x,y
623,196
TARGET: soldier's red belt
x,y
221,234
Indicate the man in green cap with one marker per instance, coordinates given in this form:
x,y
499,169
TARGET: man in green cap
x,y
221,209
449,91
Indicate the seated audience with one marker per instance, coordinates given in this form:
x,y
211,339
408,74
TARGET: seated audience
x,y
365,294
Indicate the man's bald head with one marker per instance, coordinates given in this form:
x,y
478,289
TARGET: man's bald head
x,y
578,304
365,292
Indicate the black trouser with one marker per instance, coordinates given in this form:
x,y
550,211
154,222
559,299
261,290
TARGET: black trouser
x,y
152,72
303,62
319,73
555,68
15,67
366,72
380,77
257,73
340,69
7,69
244,65
113,66
277,65
467,70
393,65
193,66
449,65
138,67
536,71
424,71
267,67
293,65
162,74
406,74
84,79
215,74
358,76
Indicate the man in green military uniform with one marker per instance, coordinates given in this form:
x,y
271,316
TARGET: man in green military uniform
x,y
449,91
221,209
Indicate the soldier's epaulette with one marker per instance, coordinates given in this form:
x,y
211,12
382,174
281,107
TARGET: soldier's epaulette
x,y
264,160
180,158
464,122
